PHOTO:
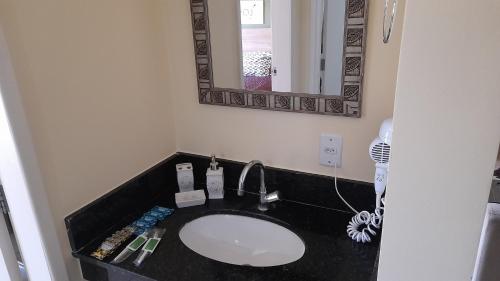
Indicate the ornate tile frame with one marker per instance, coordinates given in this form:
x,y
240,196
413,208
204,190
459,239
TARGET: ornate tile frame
x,y
348,104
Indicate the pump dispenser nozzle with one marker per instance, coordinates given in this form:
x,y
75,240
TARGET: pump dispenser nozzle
x,y
213,163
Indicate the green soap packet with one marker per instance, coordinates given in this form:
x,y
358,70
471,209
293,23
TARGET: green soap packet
x,y
131,248
137,243
150,246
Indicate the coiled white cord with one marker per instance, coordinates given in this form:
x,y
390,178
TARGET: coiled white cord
x,y
364,224
367,222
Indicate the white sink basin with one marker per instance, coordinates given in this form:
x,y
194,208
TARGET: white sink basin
x,y
242,240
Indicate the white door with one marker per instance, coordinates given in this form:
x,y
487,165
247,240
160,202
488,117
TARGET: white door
x,y
327,46
9,269
315,49
333,32
281,24
486,268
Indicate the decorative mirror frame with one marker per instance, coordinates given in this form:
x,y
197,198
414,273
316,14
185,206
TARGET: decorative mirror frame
x,y
347,104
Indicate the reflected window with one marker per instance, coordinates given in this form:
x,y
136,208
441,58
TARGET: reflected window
x,y
256,44
252,11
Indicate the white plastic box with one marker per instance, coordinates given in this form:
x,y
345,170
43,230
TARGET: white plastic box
x,y
190,198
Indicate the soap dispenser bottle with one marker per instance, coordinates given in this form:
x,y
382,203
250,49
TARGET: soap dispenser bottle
x,y
215,180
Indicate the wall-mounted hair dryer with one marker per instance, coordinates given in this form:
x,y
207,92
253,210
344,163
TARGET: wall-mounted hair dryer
x,y
364,224
380,149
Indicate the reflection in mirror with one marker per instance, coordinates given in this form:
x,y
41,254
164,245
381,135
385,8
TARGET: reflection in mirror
x,y
278,45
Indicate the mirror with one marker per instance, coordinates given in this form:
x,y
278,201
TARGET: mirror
x,y
279,45
291,55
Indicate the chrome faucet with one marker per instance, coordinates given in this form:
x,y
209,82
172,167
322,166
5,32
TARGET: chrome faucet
x,y
265,198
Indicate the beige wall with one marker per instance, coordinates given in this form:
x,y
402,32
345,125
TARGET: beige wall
x,y
101,88
445,140
287,140
92,81
301,35
225,38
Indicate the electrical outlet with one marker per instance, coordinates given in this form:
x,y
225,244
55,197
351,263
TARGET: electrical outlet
x,y
330,150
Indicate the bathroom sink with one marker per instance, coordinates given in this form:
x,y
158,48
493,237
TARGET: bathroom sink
x,y
242,240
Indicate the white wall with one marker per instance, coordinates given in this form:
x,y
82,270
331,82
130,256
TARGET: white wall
x,y
446,135
92,78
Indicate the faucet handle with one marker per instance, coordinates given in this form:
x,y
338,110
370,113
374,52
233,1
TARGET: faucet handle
x,y
273,196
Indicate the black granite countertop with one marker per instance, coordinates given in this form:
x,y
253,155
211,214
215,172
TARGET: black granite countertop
x,y
330,255
310,207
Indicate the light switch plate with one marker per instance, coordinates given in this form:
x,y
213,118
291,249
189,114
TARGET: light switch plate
x,y
330,150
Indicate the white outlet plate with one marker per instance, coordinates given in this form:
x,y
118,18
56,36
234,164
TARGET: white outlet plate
x,y
330,150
